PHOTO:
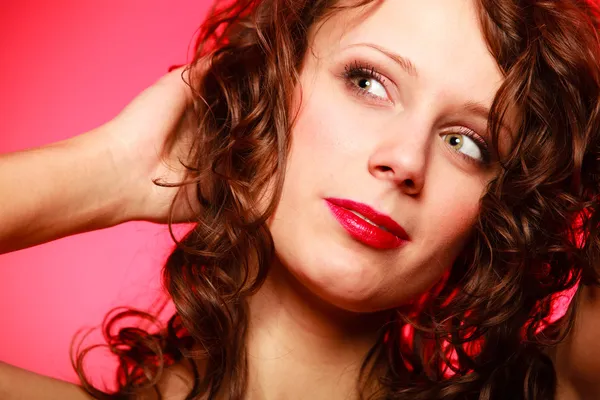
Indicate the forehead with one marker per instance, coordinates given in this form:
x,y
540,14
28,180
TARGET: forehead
x,y
442,38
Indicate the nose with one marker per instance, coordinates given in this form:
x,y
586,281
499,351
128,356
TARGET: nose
x,y
402,159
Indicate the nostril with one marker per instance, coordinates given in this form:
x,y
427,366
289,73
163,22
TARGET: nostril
x,y
409,183
384,168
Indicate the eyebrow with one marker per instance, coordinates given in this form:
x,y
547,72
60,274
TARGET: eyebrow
x,y
404,62
477,109
482,111
471,107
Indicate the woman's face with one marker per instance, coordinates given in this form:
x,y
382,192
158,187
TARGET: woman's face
x,y
391,126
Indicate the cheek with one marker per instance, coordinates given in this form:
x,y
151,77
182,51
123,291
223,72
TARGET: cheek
x,y
456,219
446,223
331,127
324,131
325,147
313,147
454,213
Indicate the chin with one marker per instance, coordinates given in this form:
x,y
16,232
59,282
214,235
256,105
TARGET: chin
x,y
356,302
350,286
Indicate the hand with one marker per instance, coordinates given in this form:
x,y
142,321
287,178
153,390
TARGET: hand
x,y
149,140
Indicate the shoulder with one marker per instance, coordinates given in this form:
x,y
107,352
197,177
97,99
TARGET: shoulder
x,y
175,384
19,384
577,359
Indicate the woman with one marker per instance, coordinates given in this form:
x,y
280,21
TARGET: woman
x,y
441,185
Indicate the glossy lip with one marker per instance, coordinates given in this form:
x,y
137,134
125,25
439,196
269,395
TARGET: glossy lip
x,y
390,237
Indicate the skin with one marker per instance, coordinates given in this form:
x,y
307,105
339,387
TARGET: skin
x,y
313,321
388,152
576,359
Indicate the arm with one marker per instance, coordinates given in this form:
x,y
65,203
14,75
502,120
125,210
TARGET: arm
x,y
95,180
58,190
103,177
19,384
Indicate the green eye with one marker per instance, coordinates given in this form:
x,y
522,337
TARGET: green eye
x,y
455,141
464,145
370,86
366,81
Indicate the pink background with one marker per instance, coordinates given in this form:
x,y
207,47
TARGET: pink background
x,y
67,66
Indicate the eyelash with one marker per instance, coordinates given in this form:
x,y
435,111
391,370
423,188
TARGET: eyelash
x,y
483,146
359,69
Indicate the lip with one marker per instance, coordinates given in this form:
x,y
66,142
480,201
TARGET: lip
x,y
390,237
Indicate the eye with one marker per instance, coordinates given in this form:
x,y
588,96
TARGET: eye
x,y
468,145
366,81
370,85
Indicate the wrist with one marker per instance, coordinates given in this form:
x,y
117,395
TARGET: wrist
x,y
108,179
132,193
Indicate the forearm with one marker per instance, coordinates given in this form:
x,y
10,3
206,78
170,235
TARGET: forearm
x,y
58,190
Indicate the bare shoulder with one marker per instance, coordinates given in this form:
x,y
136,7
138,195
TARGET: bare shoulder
x,y
19,384
577,359
175,384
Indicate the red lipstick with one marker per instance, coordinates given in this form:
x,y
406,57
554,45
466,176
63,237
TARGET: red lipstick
x,y
369,226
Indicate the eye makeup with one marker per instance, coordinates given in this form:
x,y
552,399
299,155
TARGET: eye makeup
x,y
360,77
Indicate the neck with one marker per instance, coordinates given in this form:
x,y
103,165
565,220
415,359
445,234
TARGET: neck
x,y
301,347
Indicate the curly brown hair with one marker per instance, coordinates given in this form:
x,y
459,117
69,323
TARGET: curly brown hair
x,y
484,333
